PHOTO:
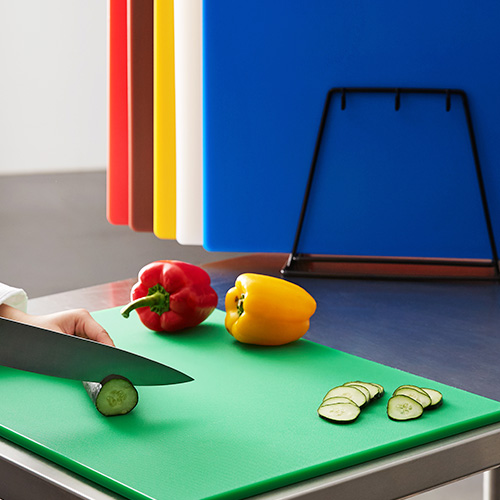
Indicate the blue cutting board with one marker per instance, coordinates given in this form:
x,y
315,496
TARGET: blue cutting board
x,y
388,183
246,424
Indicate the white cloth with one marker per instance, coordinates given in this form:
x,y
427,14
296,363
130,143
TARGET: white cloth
x,y
14,297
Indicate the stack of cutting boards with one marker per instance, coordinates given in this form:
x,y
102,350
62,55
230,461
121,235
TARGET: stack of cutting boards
x,y
215,107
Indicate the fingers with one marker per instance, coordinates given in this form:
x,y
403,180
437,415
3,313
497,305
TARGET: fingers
x,y
86,326
96,332
77,322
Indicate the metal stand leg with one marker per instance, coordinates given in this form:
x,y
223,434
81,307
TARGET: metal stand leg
x,y
491,484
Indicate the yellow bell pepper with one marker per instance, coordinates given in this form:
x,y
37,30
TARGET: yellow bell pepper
x,y
265,310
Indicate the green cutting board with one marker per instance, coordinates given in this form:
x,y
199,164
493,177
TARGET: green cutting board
x,y
246,424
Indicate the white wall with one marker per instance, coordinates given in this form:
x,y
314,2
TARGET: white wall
x,y
53,90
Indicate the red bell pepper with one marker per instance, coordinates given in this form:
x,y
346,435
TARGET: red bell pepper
x,y
172,295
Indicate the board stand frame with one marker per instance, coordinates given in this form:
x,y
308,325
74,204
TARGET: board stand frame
x,y
393,268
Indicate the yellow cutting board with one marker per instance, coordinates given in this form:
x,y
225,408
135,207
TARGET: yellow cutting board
x,y
164,164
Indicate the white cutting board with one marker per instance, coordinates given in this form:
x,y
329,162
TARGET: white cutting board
x,y
188,121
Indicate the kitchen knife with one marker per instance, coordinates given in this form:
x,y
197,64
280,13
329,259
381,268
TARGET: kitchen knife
x,y
34,349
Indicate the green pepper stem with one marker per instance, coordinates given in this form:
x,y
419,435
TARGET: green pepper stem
x,y
239,304
158,300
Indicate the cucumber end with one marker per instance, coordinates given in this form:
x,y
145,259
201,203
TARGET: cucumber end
x,y
114,396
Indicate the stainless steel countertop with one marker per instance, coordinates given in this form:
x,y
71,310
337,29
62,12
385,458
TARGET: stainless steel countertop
x,y
446,331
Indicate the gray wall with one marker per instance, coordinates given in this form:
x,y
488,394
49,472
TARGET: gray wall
x,y
53,85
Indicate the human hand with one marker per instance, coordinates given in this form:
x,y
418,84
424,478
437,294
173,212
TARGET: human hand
x,y
76,322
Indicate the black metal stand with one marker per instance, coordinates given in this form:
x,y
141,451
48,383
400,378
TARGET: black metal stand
x,y
330,266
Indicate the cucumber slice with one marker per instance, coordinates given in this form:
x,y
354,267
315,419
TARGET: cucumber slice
x,y
341,413
406,386
372,389
401,407
337,399
418,395
353,393
115,395
436,397
380,389
361,388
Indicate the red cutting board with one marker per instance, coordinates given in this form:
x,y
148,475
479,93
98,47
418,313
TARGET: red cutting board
x,y
117,172
140,105
246,424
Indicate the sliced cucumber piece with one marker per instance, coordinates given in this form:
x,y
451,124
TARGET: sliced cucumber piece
x,y
407,386
353,393
372,389
337,399
436,397
115,395
341,413
401,407
419,396
380,389
361,388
